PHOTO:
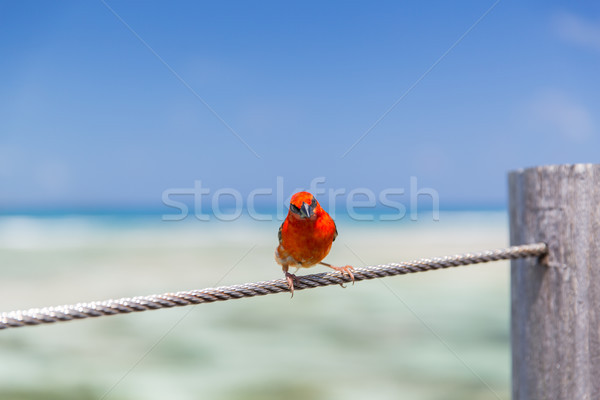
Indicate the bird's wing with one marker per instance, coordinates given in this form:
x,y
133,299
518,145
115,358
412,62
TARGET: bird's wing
x,y
279,233
335,234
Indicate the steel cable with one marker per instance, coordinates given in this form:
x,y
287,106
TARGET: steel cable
x,y
36,316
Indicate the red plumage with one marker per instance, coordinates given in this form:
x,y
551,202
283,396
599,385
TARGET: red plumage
x,y
306,236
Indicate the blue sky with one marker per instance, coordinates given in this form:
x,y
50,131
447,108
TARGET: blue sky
x,y
92,118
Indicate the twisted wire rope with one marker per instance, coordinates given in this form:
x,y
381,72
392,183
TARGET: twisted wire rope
x,y
36,316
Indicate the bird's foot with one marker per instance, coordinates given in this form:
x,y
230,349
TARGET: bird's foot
x,y
291,278
347,270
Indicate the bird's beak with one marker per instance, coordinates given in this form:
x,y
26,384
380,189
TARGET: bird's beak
x,y
306,211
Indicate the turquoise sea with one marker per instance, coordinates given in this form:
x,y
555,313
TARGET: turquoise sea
x,y
434,335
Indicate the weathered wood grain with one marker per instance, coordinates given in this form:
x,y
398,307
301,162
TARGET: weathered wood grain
x,y
555,327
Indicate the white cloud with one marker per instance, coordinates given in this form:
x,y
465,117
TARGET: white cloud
x,y
553,111
578,31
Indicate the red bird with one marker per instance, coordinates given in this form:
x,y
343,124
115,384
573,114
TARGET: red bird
x,y
305,237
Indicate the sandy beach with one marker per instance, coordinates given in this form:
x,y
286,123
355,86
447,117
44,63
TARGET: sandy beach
x,y
433,335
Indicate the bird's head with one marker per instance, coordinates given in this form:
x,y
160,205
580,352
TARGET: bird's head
x,y
303,206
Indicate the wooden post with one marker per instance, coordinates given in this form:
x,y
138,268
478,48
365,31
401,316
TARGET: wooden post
x,y
555,328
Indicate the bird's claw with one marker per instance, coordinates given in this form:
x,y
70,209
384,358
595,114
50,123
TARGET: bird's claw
x,y
291,278
345,270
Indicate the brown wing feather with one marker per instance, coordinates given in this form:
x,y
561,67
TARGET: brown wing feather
x,y
279,233
335,234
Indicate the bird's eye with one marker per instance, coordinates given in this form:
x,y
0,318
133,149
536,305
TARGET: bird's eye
x,y
313,203
294,209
